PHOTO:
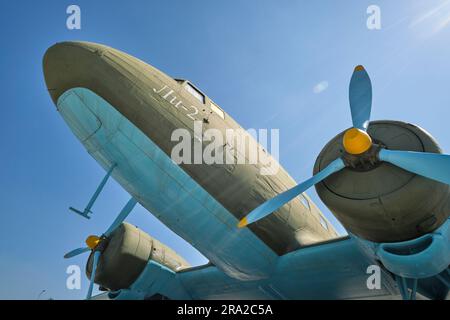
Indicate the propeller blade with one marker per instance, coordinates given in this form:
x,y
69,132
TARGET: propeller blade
x,y
434,166
94,269
360,94
76,252
122,216
277,202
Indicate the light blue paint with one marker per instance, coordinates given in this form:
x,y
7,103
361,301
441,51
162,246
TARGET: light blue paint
x,y
360,94
85,213
335,270
76,252
156,278
116,223
330,271
419,258
121,217
430,165
150,176
94,269
162,187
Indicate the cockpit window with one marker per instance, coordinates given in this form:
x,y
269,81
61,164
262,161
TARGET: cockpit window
x,y
217,110
197,94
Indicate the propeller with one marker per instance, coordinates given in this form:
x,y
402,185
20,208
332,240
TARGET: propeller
x,y
275,203
360,96
76,252
98,244
94,269
358,144
434,166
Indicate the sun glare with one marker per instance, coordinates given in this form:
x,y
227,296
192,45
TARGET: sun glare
x,y
434,19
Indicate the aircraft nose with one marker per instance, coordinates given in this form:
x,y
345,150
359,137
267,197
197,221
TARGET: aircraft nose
x,y
64,65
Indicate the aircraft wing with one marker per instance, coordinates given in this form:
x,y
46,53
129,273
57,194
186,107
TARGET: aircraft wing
x,y
333,270
336,269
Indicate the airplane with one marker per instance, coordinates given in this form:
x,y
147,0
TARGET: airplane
x,y
387,182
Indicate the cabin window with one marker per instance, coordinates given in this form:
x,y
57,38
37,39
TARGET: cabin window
x,y
197,94
323,222
304,202
217,110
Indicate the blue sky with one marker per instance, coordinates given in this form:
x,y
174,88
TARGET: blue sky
x,y
269,64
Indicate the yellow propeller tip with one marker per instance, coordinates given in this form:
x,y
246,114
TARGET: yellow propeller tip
x,y
359,68
243,223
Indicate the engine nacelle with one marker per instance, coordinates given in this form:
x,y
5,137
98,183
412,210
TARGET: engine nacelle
x,y
381,202
127,254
